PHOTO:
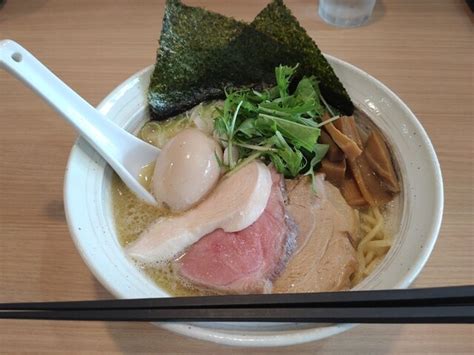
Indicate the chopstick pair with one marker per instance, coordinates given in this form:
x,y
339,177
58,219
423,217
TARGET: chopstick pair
x,y
426,305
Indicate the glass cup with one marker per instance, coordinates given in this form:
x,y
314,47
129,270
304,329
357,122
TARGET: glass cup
x,y
346,13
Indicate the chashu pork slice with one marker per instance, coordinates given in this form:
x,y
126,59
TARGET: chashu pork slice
x,y
237,202
325,258
246,261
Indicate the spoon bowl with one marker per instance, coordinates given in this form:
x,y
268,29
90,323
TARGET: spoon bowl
x,y
125,153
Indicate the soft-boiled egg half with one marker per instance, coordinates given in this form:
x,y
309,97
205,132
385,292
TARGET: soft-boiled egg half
x,y
186,170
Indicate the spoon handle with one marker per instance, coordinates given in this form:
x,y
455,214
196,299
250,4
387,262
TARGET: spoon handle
x,y
102,134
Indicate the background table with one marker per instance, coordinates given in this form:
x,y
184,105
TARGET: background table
x,y
423,50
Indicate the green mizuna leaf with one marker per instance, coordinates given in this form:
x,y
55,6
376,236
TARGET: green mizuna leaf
x,y
283,76
279,127
301,136
320,151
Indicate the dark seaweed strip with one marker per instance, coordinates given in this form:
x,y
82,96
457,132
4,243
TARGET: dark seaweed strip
x,y
183,75
250,59
277,21
201,53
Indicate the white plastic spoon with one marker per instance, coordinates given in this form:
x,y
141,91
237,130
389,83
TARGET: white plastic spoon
x,y
123,151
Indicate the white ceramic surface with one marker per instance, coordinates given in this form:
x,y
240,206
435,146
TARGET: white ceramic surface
x,y
87,195
123,151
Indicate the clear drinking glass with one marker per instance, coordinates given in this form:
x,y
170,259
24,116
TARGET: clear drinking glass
x,y
346,13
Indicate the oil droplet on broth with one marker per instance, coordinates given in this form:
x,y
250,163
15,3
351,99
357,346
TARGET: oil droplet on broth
x,y
145,175
131,218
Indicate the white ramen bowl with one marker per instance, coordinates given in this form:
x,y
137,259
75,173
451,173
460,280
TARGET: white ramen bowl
x,y
87,196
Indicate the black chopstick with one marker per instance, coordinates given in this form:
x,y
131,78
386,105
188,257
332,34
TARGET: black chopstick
x,y
430,314
429,305
404,297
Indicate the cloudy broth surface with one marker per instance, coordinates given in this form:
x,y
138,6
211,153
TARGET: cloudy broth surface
x,y
132,216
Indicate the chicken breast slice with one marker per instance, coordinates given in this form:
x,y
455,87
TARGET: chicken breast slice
x,y
236,203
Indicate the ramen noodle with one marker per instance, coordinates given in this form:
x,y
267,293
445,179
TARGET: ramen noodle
x,y
374,244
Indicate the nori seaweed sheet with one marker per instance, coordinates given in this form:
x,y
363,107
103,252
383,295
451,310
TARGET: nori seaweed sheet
x,y
202,53
181,77
277,21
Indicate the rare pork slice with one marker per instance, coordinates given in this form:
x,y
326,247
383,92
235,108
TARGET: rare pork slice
x,y
246,261
325,258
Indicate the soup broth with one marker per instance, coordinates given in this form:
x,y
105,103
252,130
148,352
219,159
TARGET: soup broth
x,y
132,217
